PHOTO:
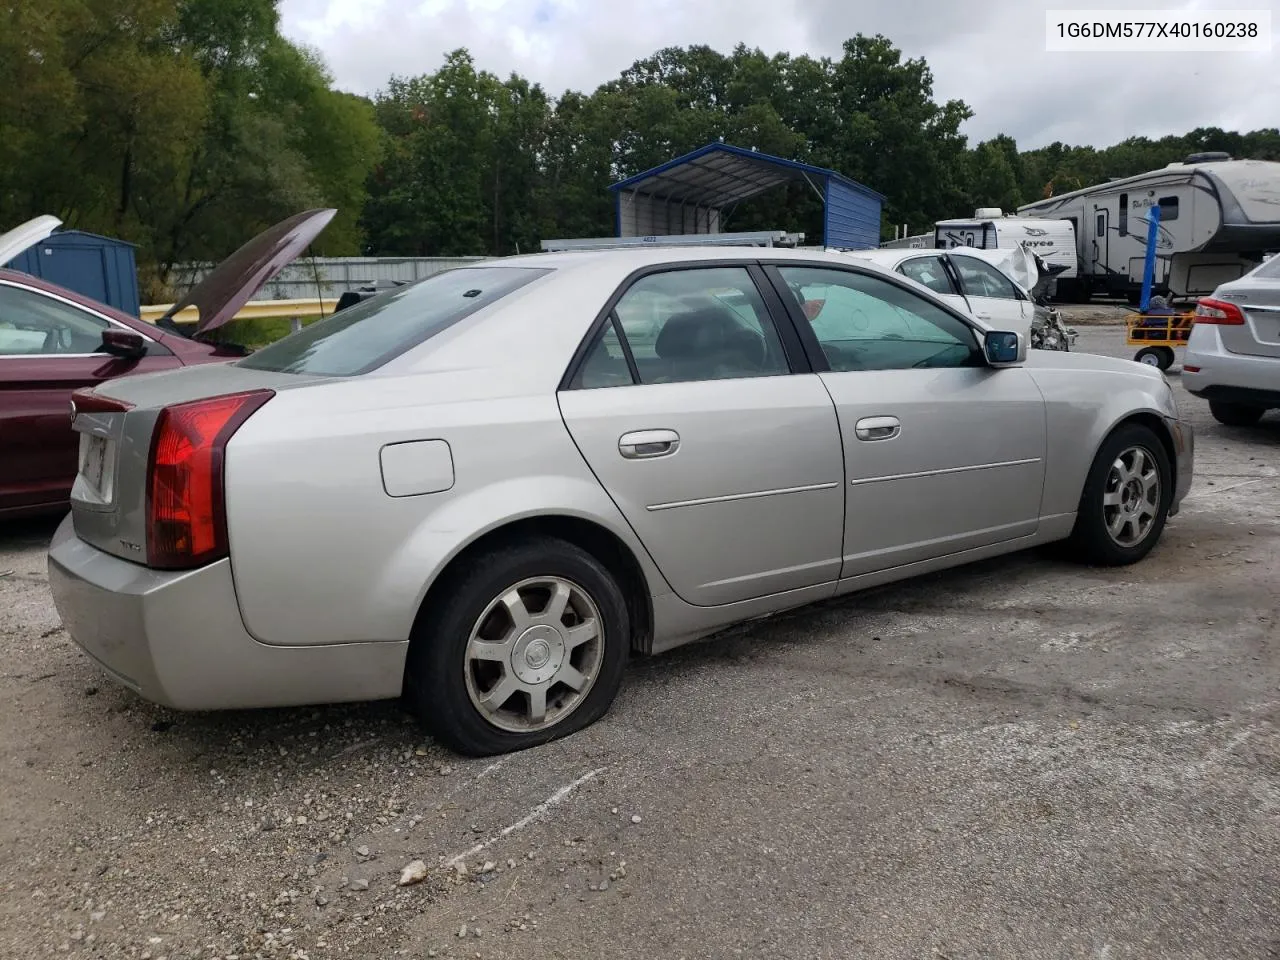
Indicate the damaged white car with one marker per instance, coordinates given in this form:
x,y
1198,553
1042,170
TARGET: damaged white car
x,y
1003,287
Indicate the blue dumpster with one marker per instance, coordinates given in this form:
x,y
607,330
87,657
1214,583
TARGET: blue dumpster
x,y
99,267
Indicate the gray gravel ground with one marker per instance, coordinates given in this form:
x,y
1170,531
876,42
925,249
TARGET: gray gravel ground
x,y
1021,759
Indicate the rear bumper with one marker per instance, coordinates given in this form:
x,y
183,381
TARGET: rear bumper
x,y
1227,376
177,638
1246,396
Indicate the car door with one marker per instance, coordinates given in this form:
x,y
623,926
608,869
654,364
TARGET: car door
x,y
696,411
1101,252
49,347
942,452
993,297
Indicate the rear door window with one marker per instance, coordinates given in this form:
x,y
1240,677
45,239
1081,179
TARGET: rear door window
x,y
365,336
930,272
1270,269
705,323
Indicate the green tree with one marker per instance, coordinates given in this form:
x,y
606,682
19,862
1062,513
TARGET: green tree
x,y
893,136
187,125
993,179
181,125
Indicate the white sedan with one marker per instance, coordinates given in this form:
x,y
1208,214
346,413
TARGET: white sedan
x,y
966,278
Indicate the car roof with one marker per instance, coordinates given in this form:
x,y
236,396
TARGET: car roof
x,y
638,258
892,254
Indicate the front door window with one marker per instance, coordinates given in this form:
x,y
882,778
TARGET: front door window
x,y
32,324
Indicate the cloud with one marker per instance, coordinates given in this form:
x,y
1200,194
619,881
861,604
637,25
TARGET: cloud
x,y
989,53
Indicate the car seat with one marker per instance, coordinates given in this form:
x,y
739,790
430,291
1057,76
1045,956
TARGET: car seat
x,y
707,344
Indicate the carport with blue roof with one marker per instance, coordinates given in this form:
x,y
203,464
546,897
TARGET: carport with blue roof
x,y
696,193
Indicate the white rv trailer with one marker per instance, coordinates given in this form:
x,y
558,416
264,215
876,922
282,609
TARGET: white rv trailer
x,y
1218,218
990,229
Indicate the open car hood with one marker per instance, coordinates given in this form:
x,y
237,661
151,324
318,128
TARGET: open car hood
x,y
230,285
17,240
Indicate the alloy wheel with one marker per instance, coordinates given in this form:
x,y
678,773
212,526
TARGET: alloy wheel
x,y
534,654
1131,496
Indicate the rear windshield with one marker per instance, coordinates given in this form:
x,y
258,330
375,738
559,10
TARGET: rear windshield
x,y
370,333
1270,269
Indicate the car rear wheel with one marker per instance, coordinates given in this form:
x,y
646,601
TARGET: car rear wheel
x,y
528,644
1235,414
1126,499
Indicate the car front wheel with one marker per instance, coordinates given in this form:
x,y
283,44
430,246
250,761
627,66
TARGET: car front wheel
x,y
1235,414
1126,499
528,644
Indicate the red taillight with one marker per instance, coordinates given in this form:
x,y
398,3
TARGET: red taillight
x,y
1187,368
186,506
1220,312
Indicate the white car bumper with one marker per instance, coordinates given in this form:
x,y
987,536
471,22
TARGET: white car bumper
x,y
1212,372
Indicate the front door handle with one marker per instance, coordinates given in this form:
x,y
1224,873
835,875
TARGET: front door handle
x,y
644,444
877,428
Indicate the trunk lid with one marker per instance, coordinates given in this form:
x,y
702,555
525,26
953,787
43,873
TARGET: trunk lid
x,y
115,424
26,235
233,282
1259,299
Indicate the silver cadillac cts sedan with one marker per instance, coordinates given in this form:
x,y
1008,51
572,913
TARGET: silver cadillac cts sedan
x,y
483,492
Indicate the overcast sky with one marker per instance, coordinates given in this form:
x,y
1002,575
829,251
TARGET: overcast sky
x,y
989,53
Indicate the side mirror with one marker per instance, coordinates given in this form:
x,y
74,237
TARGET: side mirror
x,y
1004,348
123,343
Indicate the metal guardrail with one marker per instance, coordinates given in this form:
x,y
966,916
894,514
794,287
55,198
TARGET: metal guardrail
x,y
328,276
294,310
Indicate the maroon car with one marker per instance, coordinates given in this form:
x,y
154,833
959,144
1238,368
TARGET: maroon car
x,y
54,341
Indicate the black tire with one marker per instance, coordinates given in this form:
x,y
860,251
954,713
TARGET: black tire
x,y
436,670
1090,541
1160,357
1235,414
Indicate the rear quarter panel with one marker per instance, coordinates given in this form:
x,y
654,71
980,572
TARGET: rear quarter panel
x,y
320,553
1083,406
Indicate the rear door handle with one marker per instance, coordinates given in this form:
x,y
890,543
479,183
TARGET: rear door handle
x,y
645,444
877,428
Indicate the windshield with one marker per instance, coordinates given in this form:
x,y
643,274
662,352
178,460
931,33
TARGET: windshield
x,y
369,334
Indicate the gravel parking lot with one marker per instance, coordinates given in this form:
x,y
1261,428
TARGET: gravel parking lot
x,y
1018,759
